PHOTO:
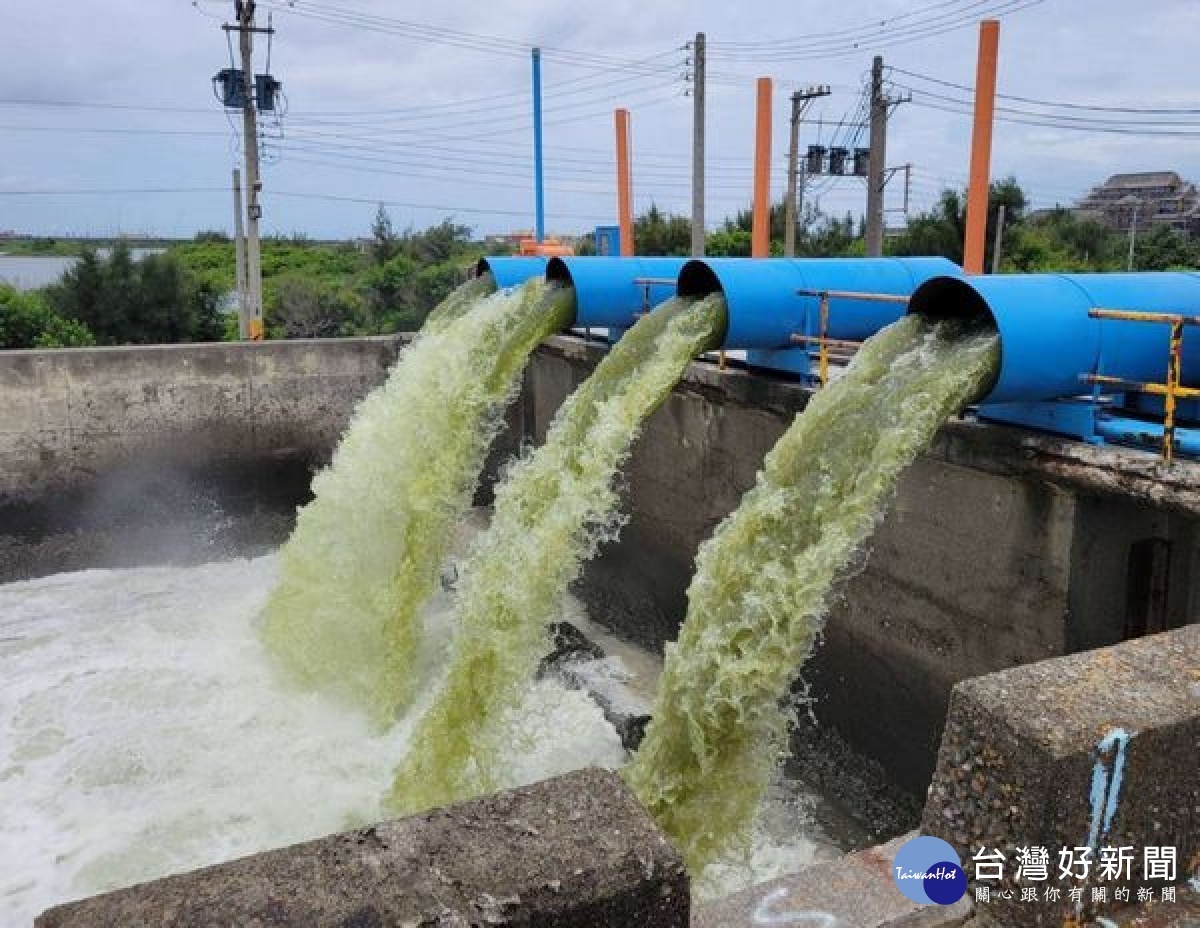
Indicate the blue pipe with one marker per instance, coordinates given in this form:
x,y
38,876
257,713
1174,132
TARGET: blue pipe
x,y
511,272
1129,431
765,310
1048,342
539,189
607,295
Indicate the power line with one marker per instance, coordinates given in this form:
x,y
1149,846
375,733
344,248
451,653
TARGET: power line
x,y
1057,104
963,108
851,30
881,37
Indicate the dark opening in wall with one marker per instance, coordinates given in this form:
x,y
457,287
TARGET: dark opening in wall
x,y
1148,582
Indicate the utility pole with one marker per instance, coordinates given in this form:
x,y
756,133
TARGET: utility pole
x,y
877,172
624,184
246,29
539,186
878,162
791,209
760,227
998,240
1132,234
979,182
239,251
698,66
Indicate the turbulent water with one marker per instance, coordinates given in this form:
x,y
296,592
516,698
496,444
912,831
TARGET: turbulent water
x,y
366,551
144,730
552,510
760,591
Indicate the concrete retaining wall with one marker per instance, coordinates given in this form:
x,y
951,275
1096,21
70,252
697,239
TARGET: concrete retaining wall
x,y
120,456
1094,750
578,851
1002,547
66,416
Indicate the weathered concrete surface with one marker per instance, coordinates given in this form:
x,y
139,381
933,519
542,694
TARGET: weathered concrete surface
x,y
67,415
121,456
1002,547
574,852
856,891
1024,762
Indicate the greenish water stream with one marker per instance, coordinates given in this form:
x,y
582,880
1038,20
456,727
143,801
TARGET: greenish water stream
x,y
762,583
552,511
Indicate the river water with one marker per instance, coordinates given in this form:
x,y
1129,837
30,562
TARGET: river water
x,y
29,272
144,731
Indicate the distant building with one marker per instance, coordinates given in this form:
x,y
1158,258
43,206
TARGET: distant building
x,y
1161,197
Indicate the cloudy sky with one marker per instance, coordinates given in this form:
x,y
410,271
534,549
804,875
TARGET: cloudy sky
x,y
426,106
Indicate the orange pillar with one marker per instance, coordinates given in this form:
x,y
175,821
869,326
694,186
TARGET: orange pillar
x,y
760,236
624,185
981,147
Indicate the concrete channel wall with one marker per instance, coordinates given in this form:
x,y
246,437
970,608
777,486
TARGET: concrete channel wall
x,y
1002,547
589,857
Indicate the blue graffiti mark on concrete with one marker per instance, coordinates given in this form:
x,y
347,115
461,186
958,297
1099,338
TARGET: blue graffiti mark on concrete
x,y
1107,776
768,912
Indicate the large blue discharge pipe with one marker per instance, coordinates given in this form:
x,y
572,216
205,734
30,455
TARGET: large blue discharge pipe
x,y
1049,342
610,293
765,310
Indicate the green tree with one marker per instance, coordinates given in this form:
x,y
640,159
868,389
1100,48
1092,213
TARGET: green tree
x,y
384,242
123,301
656,233
306,307
26,321
438,244
1161,248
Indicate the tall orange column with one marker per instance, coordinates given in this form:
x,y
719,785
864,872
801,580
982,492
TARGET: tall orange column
x,y
624,185
981,147
760,235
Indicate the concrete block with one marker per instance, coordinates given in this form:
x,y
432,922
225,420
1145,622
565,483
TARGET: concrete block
x,y
1095,750
857,890
577,851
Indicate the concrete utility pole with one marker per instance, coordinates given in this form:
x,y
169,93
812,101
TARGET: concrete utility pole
x,y
254,325
791,208
698,64
877,172
878,162
239,251
1132,235
998,240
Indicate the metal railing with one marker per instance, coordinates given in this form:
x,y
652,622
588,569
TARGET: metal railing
x,y
1171,391
822,339
646,283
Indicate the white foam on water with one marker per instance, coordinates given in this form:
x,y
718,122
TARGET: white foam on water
x,y
143,731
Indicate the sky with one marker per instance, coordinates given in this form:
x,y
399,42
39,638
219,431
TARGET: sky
x,y
427,108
